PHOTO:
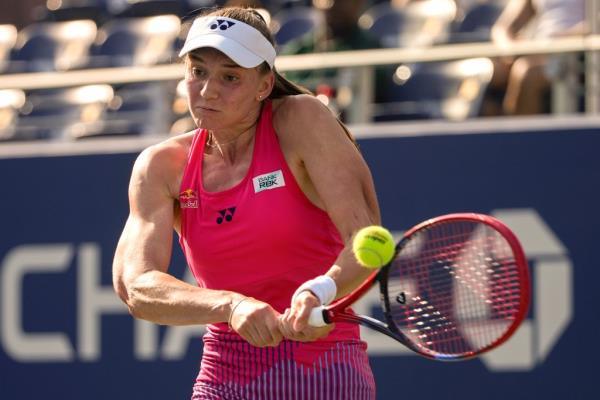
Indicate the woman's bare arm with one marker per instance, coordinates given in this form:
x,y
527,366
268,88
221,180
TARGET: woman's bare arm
x,y
143,255
144,250
339,181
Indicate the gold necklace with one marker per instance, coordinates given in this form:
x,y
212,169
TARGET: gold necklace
x,y
212,141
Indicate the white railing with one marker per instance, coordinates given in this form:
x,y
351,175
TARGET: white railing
x,y
361,61
341,59
592,61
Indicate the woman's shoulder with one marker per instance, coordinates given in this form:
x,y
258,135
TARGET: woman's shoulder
x,y
299,111
169,149
297,104
164,161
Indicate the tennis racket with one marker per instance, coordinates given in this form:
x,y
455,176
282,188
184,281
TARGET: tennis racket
x,y
458,286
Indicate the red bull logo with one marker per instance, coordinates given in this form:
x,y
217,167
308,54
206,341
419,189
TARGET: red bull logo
x,y
188,199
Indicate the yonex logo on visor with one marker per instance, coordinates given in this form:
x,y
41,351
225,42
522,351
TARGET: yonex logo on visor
x,y
222,25
244,44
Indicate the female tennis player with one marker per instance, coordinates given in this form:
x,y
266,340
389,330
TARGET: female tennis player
x,y
265,196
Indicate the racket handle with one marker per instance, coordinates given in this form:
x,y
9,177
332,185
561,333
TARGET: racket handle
x,y
317,317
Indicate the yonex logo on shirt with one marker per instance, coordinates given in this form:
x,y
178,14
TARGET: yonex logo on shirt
x,y
272,180
225,215
222,25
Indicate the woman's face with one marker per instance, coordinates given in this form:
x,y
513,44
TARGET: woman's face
x,y
221,94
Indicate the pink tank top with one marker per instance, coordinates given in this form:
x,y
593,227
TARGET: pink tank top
x,y
262,237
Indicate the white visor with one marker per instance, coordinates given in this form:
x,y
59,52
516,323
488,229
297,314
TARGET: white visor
x,y
245,45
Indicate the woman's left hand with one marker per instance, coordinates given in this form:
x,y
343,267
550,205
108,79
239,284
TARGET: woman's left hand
x,y
293,323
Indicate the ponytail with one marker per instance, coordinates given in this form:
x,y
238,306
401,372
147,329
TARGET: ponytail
x,y
284,87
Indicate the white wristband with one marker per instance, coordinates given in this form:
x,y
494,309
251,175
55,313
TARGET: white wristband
x,y
322,286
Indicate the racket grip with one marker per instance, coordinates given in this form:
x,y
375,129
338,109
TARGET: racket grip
x,y
317,317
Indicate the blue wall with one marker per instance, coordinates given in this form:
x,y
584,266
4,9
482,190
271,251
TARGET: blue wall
x,y
64,335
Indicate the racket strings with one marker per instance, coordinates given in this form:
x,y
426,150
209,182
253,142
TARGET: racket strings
x,y
461,288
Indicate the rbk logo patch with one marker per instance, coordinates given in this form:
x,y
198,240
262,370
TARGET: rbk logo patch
x,y
222,25
272,180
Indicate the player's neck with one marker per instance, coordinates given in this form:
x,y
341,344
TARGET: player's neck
x,y
230,147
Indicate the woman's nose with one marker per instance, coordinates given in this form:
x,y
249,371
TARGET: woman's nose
x,y
209,89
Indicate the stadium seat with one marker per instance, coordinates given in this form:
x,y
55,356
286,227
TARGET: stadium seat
x,y
69,10
445,90
275,6
418,24
140,109
53,46
182,120
136,41
11,101
8,38
289,24
477,23
385,23
64,113
144,8
291,3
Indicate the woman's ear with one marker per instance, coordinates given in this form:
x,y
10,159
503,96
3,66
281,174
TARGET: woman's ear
x,y
266,86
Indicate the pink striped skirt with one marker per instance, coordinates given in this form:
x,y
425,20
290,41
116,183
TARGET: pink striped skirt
x,y
231,368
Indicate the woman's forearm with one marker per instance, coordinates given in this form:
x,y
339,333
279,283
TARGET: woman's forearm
x,y
163,299
347,273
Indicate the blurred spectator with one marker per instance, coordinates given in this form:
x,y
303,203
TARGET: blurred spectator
x,y
401,3
340,33
20,13
521,84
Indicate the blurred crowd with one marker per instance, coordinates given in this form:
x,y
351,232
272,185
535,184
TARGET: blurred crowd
x,y
63,35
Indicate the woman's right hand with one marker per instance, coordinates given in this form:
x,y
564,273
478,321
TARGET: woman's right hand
x,y
256,321
293,323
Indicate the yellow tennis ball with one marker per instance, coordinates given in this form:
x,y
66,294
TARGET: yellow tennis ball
x,y
373,246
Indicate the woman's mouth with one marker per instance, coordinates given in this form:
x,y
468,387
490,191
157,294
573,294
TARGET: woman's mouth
x,y
207,109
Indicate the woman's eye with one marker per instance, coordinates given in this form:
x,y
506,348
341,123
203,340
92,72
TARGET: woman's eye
x,y
231,78
196,72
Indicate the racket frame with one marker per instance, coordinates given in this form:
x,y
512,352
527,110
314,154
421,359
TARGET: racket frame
x,y
390,329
